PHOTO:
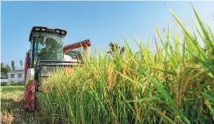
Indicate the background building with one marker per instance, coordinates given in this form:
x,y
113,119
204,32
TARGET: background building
x,y
4,79
16,76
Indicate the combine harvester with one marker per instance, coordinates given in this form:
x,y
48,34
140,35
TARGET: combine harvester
x,y
45,55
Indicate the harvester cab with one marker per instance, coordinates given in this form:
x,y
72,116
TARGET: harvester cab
x,y
47,54
46,44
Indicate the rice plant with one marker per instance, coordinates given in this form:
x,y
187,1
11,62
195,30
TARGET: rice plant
x,y
174,85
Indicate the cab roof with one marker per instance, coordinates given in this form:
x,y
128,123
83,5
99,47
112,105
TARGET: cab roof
x,y
42,29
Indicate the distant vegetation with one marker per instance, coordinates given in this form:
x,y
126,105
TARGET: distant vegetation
x,y
13,64
175,85
4,69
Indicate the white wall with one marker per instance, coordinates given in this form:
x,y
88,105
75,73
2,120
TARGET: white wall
x,y
15,79
4,80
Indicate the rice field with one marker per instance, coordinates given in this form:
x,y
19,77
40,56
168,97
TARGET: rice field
x,y
175,85
12,111
11,104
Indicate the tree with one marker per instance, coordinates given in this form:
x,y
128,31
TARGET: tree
x,y
5,69
21,64
13,65
115,48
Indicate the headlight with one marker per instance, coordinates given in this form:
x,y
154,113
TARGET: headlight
x,y
62,32
43,29
58,31
37,29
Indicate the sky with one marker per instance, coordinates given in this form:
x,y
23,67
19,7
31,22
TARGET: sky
x,y
101,22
